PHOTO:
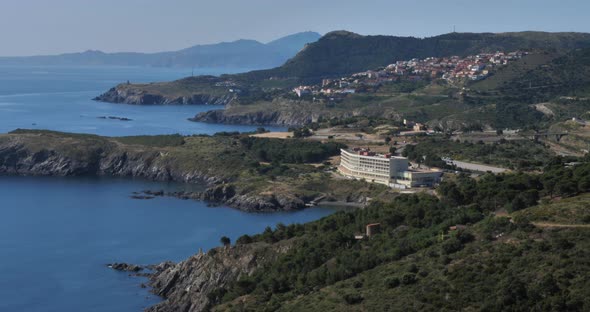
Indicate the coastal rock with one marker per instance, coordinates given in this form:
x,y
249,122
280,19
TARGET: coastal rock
x,y
107,159
279,112
275,118
259,203
284,112
256,118
125,267
219,193
131,95
190,285
17,159
226,194
115,118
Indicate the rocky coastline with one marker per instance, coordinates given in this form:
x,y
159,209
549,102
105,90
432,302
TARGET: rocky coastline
x,y
138,96
259,118
193,284
17,158
279,112
227,195
268,118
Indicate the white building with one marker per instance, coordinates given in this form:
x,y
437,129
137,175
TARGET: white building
x,y
385,169
302,91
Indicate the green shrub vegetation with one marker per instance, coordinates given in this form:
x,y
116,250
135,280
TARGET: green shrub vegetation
x,y
566,75
290,151
155,140
417,261
521,154
292,168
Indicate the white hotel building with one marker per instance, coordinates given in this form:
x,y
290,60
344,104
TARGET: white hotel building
x,y
385,169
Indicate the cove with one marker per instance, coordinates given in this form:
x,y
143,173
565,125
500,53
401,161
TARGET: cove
x,y
57,234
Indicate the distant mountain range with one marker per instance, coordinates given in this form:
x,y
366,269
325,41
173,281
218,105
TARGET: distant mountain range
x,y
237,54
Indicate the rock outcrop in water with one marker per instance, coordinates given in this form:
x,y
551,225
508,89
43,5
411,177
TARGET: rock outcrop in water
x,y
140,96
190,285
125,267
223,193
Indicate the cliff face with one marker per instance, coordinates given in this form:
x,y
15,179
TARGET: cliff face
x,y
281,111
274,118
277,112
101,157
18,159
140,96
189,285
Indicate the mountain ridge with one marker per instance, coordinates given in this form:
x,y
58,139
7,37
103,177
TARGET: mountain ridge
x,y
342,52
242,53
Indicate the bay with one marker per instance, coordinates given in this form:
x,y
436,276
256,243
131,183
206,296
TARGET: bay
x,y
60,98
58,234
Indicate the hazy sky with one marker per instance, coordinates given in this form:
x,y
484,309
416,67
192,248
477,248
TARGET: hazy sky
x,y
30,27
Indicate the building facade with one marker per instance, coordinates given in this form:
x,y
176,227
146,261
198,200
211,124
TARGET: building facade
x,y
385,169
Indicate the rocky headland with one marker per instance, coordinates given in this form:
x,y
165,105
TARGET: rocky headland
x,y
221,162
139,96
56,154
193,284
201,90
273,118
227,166
276,112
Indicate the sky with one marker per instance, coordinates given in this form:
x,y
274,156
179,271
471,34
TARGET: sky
x,y
36,27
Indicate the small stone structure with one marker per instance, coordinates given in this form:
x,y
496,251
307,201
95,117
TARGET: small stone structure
x,y
372,229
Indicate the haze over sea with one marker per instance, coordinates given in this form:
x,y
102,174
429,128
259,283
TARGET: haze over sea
x,y
57,234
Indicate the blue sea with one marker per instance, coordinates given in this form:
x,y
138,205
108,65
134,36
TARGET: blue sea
x,y
57,234
60,98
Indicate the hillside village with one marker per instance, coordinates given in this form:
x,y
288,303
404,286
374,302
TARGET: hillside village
x,y
453,69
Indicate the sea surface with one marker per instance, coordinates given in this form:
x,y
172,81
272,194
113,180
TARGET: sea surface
x,y
58,234
60,98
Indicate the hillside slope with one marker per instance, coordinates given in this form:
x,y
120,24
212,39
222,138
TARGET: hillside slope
x,y
430,254
433,254
567,75
340,53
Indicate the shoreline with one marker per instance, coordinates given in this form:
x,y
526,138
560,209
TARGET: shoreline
x,y
172,159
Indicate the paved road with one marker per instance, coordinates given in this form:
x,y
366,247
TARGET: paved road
x,y
558,225
476,167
